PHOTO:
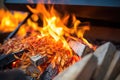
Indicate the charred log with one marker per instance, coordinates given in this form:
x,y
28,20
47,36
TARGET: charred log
x,y
9,58
33,71
49,73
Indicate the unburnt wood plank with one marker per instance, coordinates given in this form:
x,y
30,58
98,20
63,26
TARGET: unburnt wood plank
x,y
118,77
105,55
114,68
81,70
79,48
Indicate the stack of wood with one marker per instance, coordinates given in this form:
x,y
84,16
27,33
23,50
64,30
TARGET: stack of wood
x,y
102,64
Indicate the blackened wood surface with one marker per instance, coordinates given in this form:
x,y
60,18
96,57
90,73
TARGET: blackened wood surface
x,y
49,73
5,60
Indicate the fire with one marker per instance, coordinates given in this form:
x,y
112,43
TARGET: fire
x,y
50,39
55,26
52,24
9,21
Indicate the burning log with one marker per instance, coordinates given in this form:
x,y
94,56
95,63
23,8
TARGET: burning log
x,y
79,70
9,58
38,59
33,71
114,68
80,48
49,73
104,54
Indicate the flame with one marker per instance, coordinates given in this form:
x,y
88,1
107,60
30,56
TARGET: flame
x,y
53,34
55,26
9,21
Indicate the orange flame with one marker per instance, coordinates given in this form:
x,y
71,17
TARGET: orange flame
x,y
54,26
9,21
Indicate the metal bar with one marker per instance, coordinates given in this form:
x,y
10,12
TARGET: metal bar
x,y
9,58
18,27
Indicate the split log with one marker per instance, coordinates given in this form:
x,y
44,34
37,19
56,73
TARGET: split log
x,y
38,59
105,55
118,77
32,71
114,68
81,70
79,48
49,73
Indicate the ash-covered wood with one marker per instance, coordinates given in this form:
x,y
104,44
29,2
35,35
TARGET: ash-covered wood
x,y
105,55
114,68
81,70
33,71
79,48
49,73
42,60
38,59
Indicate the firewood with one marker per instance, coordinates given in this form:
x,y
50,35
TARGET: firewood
x,y
81,70
114,68
79,48
49,73
33,71
104,54
118,77
38,59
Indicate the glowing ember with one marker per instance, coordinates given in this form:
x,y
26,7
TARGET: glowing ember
x,y
48,40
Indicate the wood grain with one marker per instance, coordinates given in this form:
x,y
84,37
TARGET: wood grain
x,y
81,70
105,55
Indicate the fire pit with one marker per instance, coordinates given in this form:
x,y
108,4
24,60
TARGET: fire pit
x,y
49,45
